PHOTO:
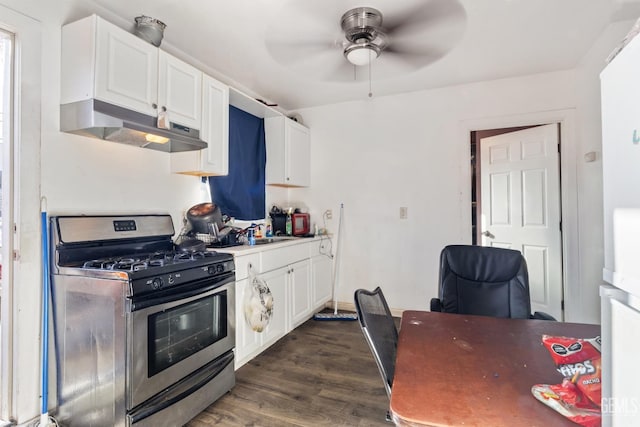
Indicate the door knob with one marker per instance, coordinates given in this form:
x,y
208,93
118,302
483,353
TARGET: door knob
x,y
488,234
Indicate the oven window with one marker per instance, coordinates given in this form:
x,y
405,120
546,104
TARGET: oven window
x,y
179,332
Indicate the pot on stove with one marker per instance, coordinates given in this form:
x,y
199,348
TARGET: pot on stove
x,y
203,214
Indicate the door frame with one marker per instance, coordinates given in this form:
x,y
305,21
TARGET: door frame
x,y
568,189
22,290
476,137
6,290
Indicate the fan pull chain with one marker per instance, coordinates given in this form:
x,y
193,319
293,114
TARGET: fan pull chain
x,y
370,91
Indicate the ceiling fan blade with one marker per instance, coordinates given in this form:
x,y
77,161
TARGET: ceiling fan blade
x,y
414,56
321,63
304,30
295,51
326,13
423,17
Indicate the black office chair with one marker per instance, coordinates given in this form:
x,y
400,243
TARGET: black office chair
x,y
485,281
379,331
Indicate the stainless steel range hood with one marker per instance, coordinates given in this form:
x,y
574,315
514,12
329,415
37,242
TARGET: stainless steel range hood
x,y
98,119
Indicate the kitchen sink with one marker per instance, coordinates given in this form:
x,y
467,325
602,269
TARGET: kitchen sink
x,y
267,240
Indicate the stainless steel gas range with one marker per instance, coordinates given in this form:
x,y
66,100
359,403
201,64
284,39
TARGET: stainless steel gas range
x,y
143,334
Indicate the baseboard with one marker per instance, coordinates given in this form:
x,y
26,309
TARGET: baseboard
x,y
349,306
34,422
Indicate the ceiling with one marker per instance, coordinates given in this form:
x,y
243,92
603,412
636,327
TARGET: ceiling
x,y
288,52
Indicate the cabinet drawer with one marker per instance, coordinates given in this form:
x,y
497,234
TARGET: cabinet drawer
x,y
281,257
243,262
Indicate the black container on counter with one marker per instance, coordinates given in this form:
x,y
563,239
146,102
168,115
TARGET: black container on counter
x,y
279,223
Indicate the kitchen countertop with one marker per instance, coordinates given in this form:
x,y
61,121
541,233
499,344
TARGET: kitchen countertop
x,y
247,249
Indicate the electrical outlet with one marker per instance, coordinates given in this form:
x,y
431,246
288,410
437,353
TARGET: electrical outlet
x,y
403,212
328,213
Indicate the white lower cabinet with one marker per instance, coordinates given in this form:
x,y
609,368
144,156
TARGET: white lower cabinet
x,y
300,293
277,327
292,273
321,283
248,341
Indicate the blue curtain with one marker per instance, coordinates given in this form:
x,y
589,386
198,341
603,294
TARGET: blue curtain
x,y
241,193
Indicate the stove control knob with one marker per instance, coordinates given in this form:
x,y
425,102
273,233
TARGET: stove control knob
x,y
220,268
157,283
211,269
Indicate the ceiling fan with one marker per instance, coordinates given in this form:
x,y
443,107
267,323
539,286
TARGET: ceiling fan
x,y
408,36
363,30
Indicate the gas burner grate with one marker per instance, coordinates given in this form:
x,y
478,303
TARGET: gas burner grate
x,y
123,264
158,256
146,261
192,256
182,256
157,262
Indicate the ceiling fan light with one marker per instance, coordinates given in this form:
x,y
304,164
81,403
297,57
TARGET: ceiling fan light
x,y
361,54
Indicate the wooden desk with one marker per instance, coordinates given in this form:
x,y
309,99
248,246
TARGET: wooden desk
x,y
457,370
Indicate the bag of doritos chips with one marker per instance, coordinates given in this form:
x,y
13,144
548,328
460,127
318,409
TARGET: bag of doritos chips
x,y
578,396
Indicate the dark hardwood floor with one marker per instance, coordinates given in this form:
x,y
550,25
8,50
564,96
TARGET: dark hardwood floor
x,y
321,374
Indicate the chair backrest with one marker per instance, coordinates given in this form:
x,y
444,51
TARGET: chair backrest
x,y
379,331
485,281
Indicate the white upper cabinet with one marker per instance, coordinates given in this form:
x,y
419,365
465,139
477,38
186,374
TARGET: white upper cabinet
x,y
102,61
126,69
213,160
288,152
180,91
105,62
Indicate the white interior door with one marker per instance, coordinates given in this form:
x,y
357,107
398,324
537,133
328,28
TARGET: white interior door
x,y
520,206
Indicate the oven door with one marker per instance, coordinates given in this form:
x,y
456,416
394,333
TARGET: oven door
x,y
178,335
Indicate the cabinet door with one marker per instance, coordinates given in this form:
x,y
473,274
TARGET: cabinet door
x,y
298,146
215,126
321,284
300,293
213,160
247,340
277,282
126,69
288,152
180,91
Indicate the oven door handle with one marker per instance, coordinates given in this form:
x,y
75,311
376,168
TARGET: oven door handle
x,y
164,297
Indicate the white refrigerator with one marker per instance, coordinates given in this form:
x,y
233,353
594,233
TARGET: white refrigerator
x,y
620,296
